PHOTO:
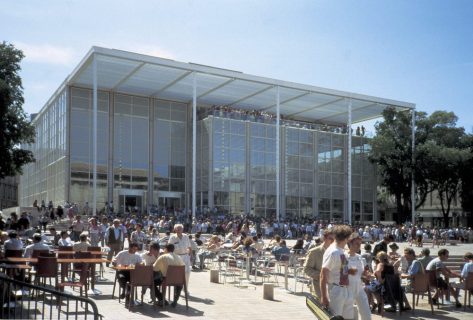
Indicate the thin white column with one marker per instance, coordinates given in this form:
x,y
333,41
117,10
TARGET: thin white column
x,y
194,141
277,153
413,187
349,164
94,138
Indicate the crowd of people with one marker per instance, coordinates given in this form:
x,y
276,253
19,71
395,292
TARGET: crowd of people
x,y
342,272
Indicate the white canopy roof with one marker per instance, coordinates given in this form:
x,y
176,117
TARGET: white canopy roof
x,y
138,74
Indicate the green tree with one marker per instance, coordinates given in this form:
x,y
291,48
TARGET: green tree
x,y
466,189
446,155
15,128
392,153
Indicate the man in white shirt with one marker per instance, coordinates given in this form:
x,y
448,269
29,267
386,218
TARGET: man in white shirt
x,y
126,258
37,245
182,247
65,241
13,243
82,244
334,275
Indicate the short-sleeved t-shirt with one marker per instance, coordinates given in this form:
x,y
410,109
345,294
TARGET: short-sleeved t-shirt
x,y
436,264
336,261
467,268
126,258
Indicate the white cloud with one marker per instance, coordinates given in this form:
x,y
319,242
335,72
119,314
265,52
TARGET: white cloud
x,y
47,54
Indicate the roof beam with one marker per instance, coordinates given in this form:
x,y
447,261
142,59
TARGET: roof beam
x,y
250,95
315,107
287,100
215,88
340,113
128,76
170,84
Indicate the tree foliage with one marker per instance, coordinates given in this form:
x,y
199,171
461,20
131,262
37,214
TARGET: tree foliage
x,y
439,162
15,128
392,153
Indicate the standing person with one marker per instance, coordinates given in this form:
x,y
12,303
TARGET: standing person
x,y
313,261
94,232
77,228
355,285
183,248
334,276
114,239
138,236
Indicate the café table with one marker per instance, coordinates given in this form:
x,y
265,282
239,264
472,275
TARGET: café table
x,y
118,268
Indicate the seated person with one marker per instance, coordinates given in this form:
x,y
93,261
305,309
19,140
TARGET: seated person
x,y
13,243
281,251
65,241
82,244
393,254
54,236
164,240
366,255
211,249
149,257
37,245
466,270
426,258
126,258
415,267
169,258
441,269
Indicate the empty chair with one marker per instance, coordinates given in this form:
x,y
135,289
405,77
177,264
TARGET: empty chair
x,y
47,268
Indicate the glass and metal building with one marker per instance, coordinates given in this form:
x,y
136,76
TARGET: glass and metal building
x,y
141,131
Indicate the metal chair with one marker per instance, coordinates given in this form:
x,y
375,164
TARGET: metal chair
x,y
141,276
175,276
420,285
468,287
47,268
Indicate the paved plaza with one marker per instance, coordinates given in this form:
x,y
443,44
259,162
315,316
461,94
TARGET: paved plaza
x,y
226,301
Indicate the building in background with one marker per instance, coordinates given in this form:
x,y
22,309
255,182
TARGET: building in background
x,y
262,146
8,192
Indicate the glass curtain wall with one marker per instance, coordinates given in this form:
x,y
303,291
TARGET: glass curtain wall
x,y
169,162
81,150
45,178
331,175
229,164
263,169
202,162
130,151
299,172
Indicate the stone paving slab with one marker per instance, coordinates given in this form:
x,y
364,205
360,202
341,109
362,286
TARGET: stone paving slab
x,y
218,301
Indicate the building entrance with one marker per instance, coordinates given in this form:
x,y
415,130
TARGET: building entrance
x,y
130,203
170,203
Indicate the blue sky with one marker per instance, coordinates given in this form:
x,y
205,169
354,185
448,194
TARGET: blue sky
x,y
416,51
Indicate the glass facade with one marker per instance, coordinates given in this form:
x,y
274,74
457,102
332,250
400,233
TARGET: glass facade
x,y
241,155
144,158
81,146
45,179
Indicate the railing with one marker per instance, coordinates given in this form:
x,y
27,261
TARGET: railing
x,y
20,300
